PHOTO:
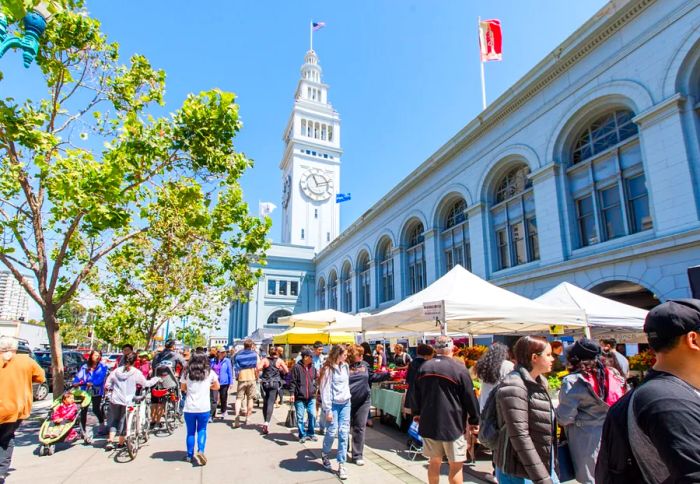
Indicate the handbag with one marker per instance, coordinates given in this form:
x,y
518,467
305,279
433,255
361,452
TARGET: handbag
x,y
291,421
566,463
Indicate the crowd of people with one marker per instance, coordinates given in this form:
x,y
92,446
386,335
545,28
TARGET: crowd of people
x,y
611,432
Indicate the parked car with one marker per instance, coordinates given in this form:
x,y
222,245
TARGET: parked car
x,y
40,390
110,360
72,361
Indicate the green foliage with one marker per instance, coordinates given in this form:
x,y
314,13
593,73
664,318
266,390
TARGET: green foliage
x,y
89,179
17,9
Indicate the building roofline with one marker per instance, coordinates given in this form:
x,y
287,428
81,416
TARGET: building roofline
x,y
601,26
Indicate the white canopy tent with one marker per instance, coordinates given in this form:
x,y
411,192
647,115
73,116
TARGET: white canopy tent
x,y
605,316
473,306
321,319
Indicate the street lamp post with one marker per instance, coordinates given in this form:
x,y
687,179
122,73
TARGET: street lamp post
x,y
34,26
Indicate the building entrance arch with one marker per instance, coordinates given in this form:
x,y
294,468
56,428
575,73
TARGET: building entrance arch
x,y
627,292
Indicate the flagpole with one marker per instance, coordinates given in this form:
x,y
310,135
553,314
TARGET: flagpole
x,y
311,36
483,77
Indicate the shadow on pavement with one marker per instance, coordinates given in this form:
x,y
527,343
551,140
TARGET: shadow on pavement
x,y
304,462
280,439
170,455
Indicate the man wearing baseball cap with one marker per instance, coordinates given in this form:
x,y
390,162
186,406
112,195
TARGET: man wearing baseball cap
x,y
664,425
445,402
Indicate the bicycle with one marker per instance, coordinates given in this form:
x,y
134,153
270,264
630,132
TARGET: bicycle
x,y
137,416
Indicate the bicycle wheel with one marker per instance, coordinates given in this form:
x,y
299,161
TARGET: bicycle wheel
x,y
170,417
132,438
145,426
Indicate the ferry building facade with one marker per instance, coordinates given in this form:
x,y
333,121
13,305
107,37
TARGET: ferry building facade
x,y
586,170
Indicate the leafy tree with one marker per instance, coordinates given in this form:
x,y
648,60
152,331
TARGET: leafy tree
x,y
191,336
87,171
74,325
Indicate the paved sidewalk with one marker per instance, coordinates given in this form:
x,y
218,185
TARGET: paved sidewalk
x,y
243,455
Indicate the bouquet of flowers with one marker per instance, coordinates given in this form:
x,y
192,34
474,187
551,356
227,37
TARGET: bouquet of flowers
x,y
643,361
471,354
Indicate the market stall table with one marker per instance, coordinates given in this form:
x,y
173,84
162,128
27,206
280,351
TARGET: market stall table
x,y
389,401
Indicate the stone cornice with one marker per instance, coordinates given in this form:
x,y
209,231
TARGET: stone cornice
x,y
475,209
661,111
544,173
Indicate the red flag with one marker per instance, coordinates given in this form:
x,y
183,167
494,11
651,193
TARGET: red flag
x,y
490,40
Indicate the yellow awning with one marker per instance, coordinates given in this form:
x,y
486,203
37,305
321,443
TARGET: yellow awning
x,y
308,336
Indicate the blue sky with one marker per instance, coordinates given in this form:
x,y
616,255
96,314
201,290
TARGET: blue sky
x,y
404,75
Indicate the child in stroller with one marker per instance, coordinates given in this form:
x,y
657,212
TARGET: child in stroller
x,y
168,389
60,424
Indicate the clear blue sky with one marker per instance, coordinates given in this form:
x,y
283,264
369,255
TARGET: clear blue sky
x,y
404,75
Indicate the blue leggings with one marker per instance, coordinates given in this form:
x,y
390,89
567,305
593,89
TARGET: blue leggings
x,y
196,423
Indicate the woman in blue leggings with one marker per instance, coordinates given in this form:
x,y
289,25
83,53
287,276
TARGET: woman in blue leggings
x,y
198,380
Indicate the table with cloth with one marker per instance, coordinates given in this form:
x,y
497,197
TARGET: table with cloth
x,y
389,402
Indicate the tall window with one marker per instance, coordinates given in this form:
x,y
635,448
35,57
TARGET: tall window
x,y
363,272
333,291
514,221
322,294
346,288
386,272
455,237
415,258
606,180
272,319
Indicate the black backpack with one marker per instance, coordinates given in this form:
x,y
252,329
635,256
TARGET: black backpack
x,y
616,463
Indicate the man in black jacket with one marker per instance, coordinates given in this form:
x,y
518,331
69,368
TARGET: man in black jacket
x,y
302,388
445,403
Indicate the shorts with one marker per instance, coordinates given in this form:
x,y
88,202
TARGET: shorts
x,y
455,451
246,389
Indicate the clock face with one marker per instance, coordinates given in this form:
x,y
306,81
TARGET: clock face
x,y
286,191
316,185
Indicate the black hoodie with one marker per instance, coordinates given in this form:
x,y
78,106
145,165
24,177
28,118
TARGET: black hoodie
x,y
361,379
303,382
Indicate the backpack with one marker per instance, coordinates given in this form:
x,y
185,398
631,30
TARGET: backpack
x,y
489,429
616,463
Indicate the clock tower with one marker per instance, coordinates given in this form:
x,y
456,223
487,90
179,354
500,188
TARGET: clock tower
x,y
311,163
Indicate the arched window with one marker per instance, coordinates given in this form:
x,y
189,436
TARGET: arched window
x,y
281,313
330,133
323,132
606,180
322,294
415,258
514,221
333,291
363,273
385,260
303,127
346,288
455,237
309,128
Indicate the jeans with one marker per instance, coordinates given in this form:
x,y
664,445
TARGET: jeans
x,y
7,445
358,418
340,426
307,407
196,423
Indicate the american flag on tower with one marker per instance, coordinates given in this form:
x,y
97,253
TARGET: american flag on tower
x,y
490,40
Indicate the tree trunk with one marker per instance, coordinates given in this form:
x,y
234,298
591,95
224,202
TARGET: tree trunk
x,y
54,335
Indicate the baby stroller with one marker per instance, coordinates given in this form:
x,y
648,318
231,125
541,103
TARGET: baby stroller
x,y
51,433
415,441
167,392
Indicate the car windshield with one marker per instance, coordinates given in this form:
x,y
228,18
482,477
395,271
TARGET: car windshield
x,y
43,358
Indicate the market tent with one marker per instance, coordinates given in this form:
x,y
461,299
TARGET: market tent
x,y
604,315
308,336
473,306
319,319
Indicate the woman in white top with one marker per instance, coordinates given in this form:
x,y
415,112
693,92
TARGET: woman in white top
x,y
491,368
198,380
335,403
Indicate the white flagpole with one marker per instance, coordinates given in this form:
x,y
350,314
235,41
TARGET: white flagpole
x,y
483,77
311,35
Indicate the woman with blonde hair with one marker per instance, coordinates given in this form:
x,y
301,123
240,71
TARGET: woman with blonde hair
x,y
335,405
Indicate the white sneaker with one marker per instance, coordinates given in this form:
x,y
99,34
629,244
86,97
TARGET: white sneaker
x,y
359,462
326,462
342,473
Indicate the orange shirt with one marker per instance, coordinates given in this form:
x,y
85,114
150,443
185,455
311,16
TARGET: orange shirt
x,y
16,377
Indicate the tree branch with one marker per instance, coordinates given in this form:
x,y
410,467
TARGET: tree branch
x,y
62,253
22,280
91,263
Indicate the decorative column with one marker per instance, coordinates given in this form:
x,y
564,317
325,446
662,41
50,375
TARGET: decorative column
x,y
669,178
399,254
479,247
548,210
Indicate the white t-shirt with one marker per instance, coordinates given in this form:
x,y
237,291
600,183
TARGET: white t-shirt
x,y
198,397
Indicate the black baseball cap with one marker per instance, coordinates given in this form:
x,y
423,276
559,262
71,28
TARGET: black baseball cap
x,y
672,319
